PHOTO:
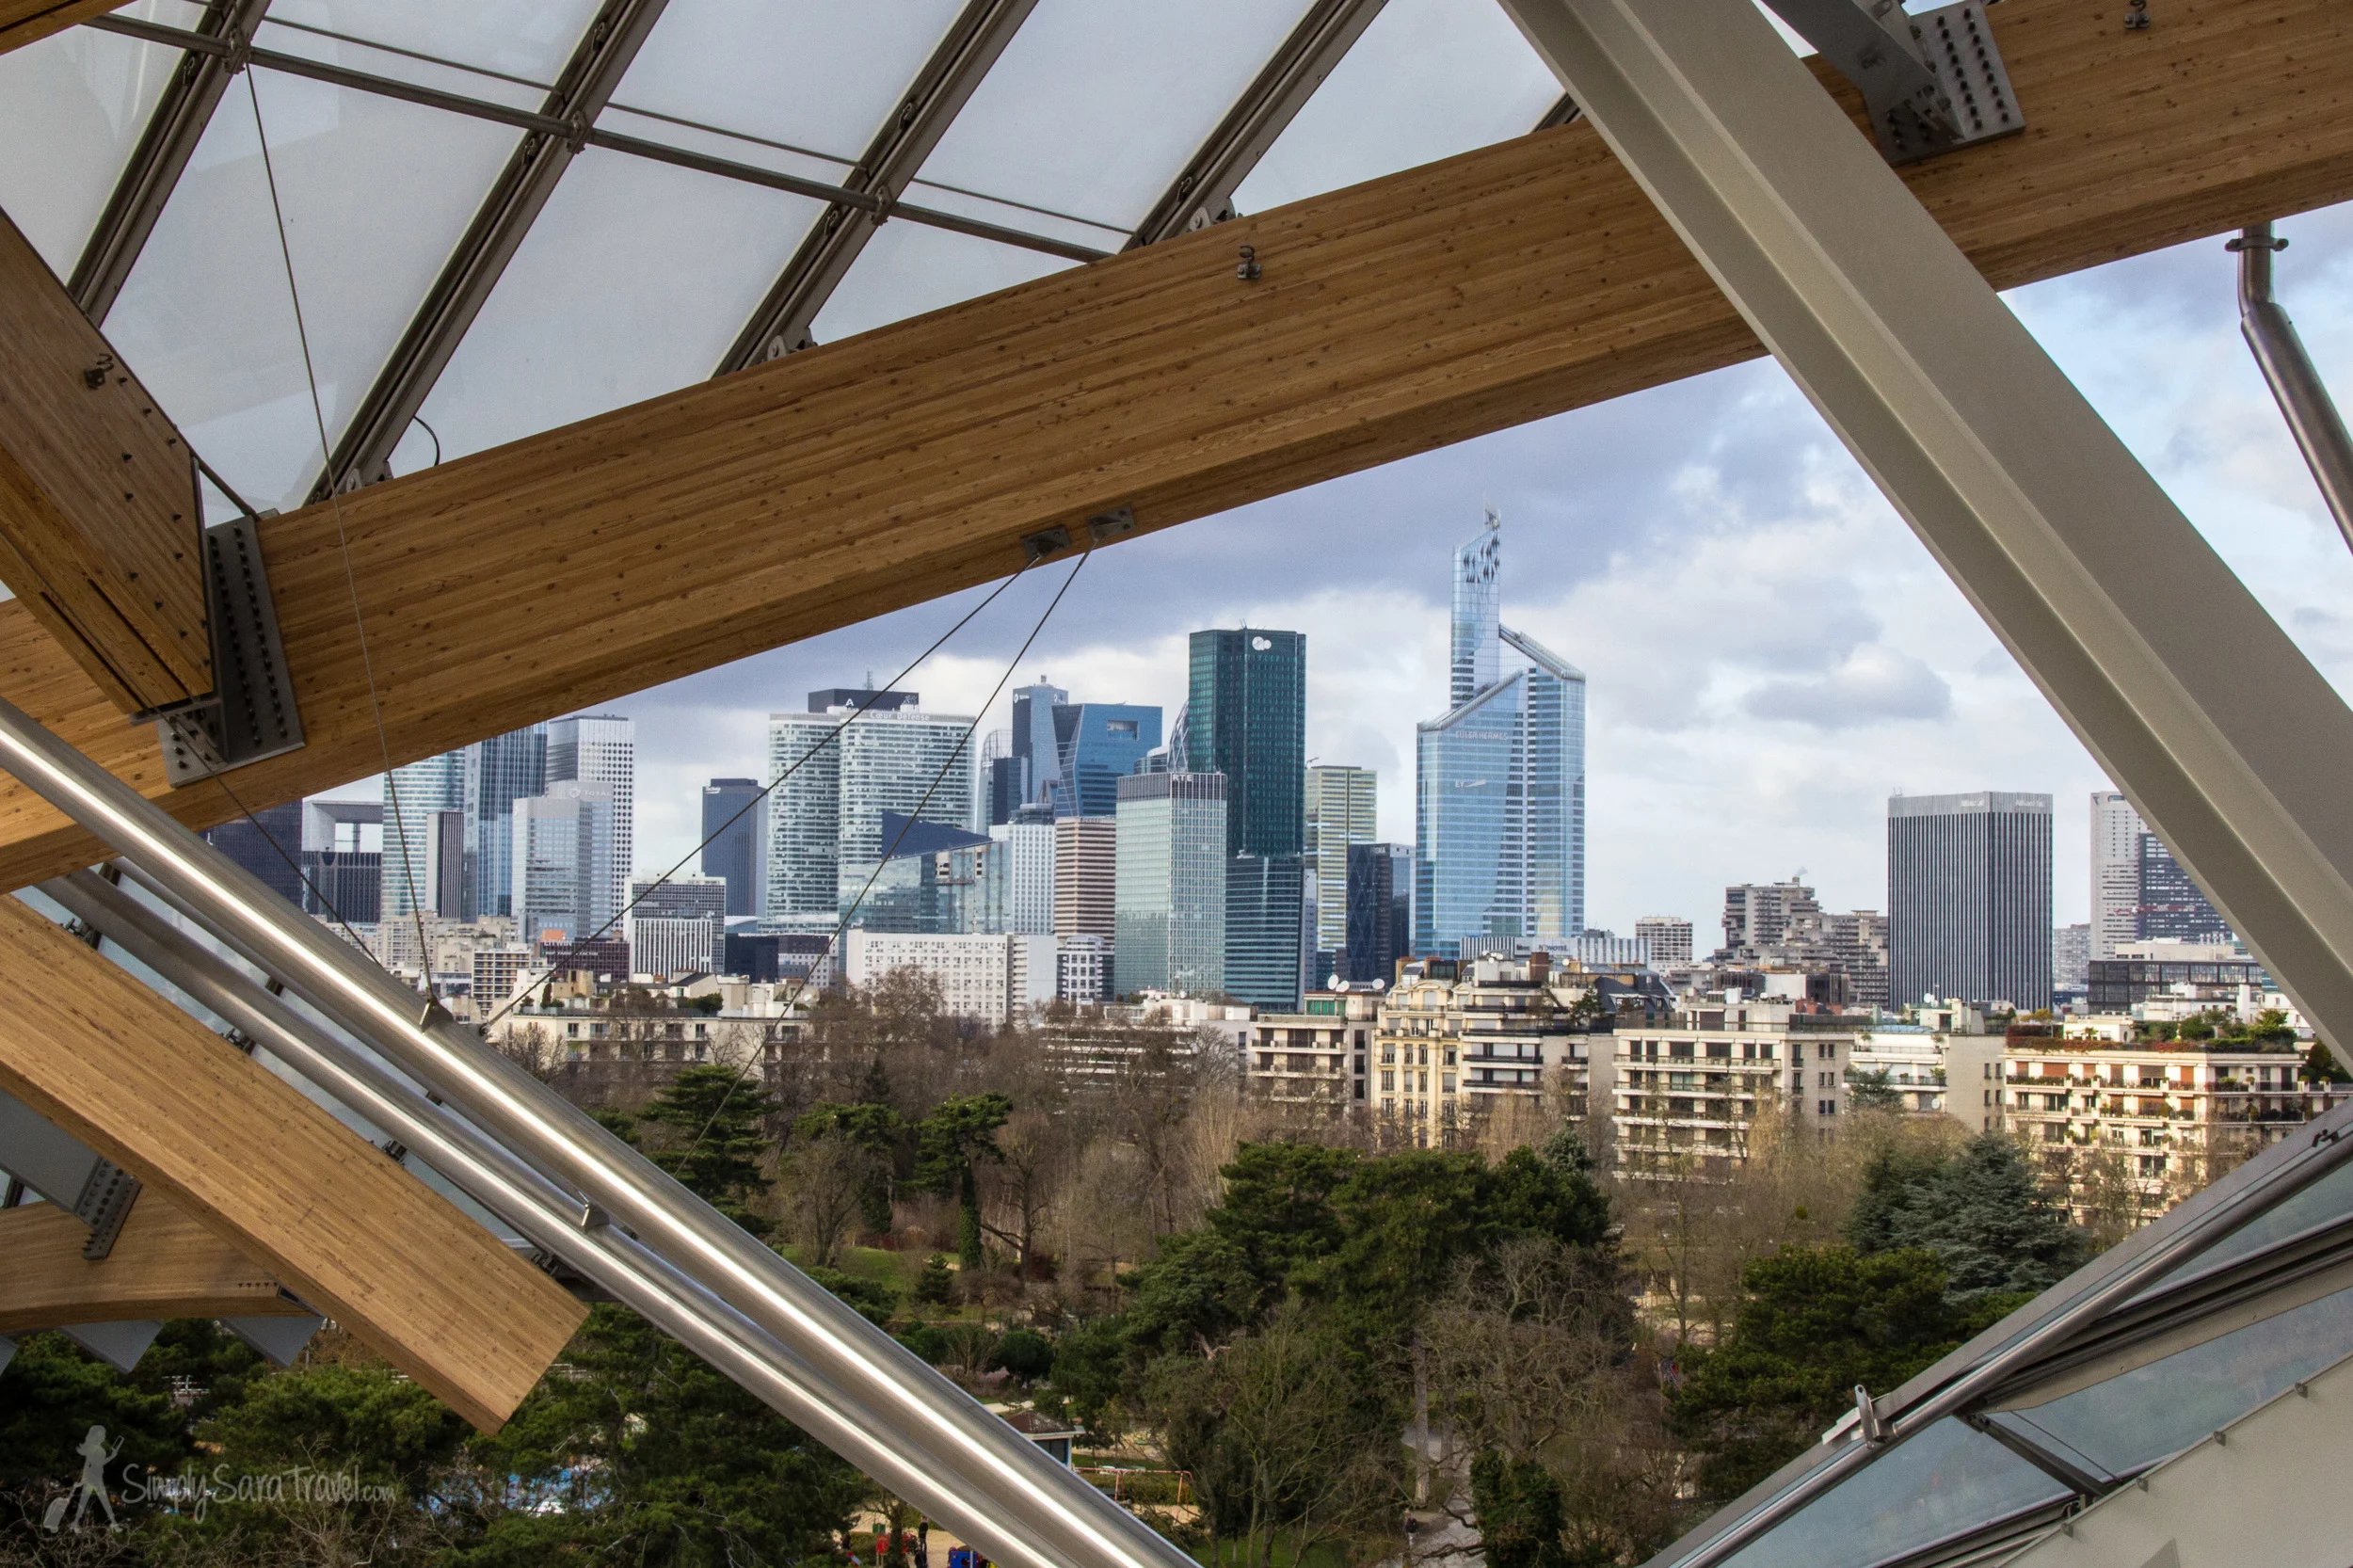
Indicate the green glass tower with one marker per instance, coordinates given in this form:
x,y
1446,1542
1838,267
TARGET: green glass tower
x,y
1247,718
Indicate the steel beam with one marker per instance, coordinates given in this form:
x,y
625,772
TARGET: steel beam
x,y
581,92
165,147
939,93
1203,194
2296,383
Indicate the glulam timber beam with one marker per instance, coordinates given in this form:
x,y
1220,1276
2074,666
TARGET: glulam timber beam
x,y
1391,318
343,1227
99,524
165,1264
24,21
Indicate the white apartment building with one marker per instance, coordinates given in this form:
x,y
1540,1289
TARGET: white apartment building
x,y
1688,1089
988,978
1083,970
1666,940
1935,1070
1455,1041
1319,1056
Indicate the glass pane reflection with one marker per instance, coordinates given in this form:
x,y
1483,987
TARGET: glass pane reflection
x,y
1947,1482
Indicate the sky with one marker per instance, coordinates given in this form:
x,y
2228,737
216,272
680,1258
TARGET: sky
x,y
1771,652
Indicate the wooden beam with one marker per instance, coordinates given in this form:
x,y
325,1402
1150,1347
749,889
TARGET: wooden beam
x,y
99,523
23,21
165,1264
1394,317
347,1230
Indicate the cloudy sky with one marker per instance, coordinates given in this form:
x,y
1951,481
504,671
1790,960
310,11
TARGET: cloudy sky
x,y
1771,652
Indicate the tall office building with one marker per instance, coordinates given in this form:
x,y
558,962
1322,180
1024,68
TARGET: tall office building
x,y
1032,766
561,880
1246,717
446,879
1667,939
498,772
1070,757
1339,811
735,834
343,863
677,925
825,833
2070,958
412,867
1170,883
602,748
1004,781
1269,951
268,845
2173,908
2140,892
1380,913
1026,849
1499,786
1086,877
1969,898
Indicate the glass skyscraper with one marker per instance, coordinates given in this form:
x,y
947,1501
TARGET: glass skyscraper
x,y
1170,865
1969,898
1340,811
735,835
1500,788
602,748
825,833
1069,756
498,772
419,792
1246,717
1267,954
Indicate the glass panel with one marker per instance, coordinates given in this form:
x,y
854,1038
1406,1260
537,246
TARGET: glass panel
x,y
375,192
1093,109
531,39
634,281
1945,1482
72,107
443,75
907,269
1429,79
811,75
2150,1412
2327,1200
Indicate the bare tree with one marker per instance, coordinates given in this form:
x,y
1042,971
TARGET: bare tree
x,y
831,1176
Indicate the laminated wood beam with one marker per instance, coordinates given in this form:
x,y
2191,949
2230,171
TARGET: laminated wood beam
x,y
165,1264
267,1169
834,484
23,21
99,524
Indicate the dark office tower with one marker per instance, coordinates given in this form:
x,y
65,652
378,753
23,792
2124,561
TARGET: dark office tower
x,y
735,831
498,772
1380,912
1969,898
1006,779
2171,907
1037,772
1247,718
1269,943
268,845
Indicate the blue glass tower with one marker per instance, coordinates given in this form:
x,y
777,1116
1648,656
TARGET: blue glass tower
x,y
498,772
1246,717
1072,755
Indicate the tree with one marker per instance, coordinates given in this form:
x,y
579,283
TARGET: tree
x,y
936,1286
2321,1065
831,1178
1520,1515
1026,1353
1980,1211
1033,1148
709,1132
1873,1090
960,1132
871,1126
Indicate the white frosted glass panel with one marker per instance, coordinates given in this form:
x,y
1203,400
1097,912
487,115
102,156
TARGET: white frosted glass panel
x,y
466,82
1429,79
1094,108
907,269
531,39
376,191
633,283
72,107
814,74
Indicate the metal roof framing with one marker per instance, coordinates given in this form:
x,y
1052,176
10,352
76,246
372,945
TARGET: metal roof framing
x,y
164,149
457,295
939,92
1203,194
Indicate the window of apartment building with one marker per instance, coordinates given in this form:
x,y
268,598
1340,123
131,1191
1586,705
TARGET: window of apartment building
x,y
2054,1131
1449,1056
1681,1051
1446,1083
1360,1064
1720,1050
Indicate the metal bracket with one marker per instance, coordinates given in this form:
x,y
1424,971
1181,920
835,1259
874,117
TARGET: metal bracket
x,y
107,1195
1046,541
1932,82
251,712
1117,523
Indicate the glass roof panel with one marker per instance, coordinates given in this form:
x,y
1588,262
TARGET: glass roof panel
x,y
1947,1482
1093,109
633,283
375,193
444,75
2327,1201
2141,1415
531,39
72,107
811,75
1429,79
907,269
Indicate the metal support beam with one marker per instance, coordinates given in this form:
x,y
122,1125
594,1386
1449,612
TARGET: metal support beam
x,y
1203,194
165,147
490,241
2302,396
939,94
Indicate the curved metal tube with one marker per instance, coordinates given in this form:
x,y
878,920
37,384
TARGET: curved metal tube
x,y
1000,1491
2301,394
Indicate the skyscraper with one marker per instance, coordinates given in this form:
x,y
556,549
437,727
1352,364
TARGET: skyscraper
x,y
602,748
498,773
1026,849
2140,892
1340,815
561,882
268,845
1086,876
1246,716
826,819
1034,767
1268,950
1499,787
1969,898
735,834
1380,912
677,925
1170,900
1069,756
411,859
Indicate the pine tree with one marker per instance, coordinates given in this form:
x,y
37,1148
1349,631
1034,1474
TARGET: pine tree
x,y
709,1126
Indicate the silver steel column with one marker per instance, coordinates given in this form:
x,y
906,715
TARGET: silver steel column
x,y
1016,1503
2303,397
2224,737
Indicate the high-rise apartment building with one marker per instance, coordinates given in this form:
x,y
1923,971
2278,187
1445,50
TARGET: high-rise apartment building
x,y
735,834
415,868
826,817
498,773
2140,892
602,748
1246,717
1969,898
1759,915
561,880
1339,812
1380,912
1666,938
1499,785
1170,883
1269,950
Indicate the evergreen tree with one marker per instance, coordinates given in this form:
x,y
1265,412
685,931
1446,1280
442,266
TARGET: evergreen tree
x,y
1520,1511
960,1132
1980,1211
712,1135
2321,1065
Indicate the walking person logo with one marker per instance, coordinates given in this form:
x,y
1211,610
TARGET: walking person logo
x,y
96,1456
